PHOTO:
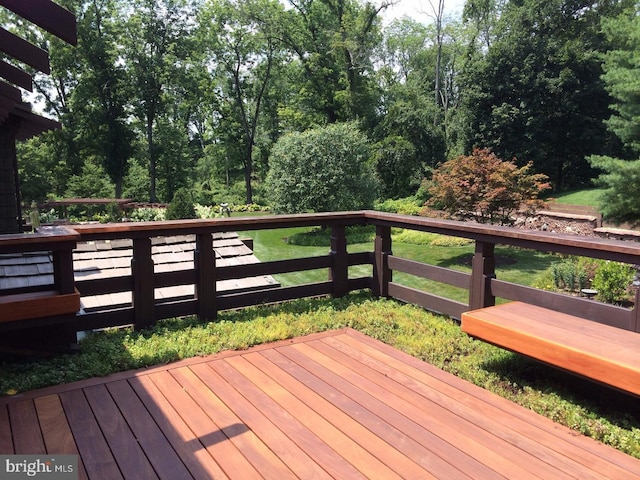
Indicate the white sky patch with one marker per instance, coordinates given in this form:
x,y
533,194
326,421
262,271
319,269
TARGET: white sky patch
x,y
422,11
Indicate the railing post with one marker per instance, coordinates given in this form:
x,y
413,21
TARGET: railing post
x,y
339,270
63,277
143,283
205,288
636,312
382,275
482,271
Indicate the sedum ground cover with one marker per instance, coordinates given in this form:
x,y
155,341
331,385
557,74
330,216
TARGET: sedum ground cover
x,y
586,407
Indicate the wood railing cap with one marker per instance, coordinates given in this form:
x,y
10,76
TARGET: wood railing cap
x,y
44,238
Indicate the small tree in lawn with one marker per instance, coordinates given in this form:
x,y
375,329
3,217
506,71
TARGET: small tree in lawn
x,y
483,188
322,170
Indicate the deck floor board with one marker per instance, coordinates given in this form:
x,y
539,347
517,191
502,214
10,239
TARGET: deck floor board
x,y
332,405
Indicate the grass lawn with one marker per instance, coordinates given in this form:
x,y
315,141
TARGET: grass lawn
x,y
513,264
588,197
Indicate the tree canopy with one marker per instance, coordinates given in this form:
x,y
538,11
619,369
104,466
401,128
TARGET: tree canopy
x,y
168,94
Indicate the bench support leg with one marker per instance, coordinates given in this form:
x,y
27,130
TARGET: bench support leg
x,y
482,271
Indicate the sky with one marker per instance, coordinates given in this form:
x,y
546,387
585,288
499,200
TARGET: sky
x,y
418,9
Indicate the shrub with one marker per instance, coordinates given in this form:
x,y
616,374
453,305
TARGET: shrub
x,y
483,188
612,281
404,206
324,169
147,214
569,275
181,207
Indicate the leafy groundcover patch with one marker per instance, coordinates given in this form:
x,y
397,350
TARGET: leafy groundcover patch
x,y
592,410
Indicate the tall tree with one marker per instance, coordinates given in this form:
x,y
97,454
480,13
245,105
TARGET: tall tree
x,y
243,53
622,75
156,30
101,95
621,178
536,94
332,42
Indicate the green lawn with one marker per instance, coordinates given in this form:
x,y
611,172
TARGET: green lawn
x,y
588,197
514,264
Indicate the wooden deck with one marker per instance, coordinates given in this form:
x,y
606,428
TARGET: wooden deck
x,y
332,405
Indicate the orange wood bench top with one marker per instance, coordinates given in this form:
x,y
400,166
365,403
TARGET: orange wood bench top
x,y
603,353
48,303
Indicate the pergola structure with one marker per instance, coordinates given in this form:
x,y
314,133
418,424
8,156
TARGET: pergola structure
x,y
17,121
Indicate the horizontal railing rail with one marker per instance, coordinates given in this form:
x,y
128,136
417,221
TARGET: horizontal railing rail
x,y
482,283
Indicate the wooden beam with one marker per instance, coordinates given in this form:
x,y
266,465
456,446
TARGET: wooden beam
x,y
48,15
10,92
16,76
23,51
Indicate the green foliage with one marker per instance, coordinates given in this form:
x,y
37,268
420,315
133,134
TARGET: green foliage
x,y
92,182
533,90
612,280
147,215
181,207
484,188
570,275
621,67
403,206
395,162
620,181
324,169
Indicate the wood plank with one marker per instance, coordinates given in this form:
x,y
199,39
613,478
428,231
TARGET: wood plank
x,y
6,440
291,424
394,427
254,450
27,438
595,455
10,93
208,434
596,351
38,305
48,15
336,404
340,441
181,437
92,445
443,427
23,51
166,463
251,415
16,76
387,443
528,451
57,435
122,441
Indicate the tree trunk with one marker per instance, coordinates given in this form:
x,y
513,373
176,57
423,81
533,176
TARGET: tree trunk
x,y
152,159
247,175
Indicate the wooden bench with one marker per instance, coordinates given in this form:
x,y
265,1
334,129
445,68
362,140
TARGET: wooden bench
x,y
47,303
600,352
38,323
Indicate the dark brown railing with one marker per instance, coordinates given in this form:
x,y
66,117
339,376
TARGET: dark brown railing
x,y
481,283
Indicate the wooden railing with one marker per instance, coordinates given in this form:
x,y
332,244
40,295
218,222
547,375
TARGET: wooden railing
x,y
482,282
